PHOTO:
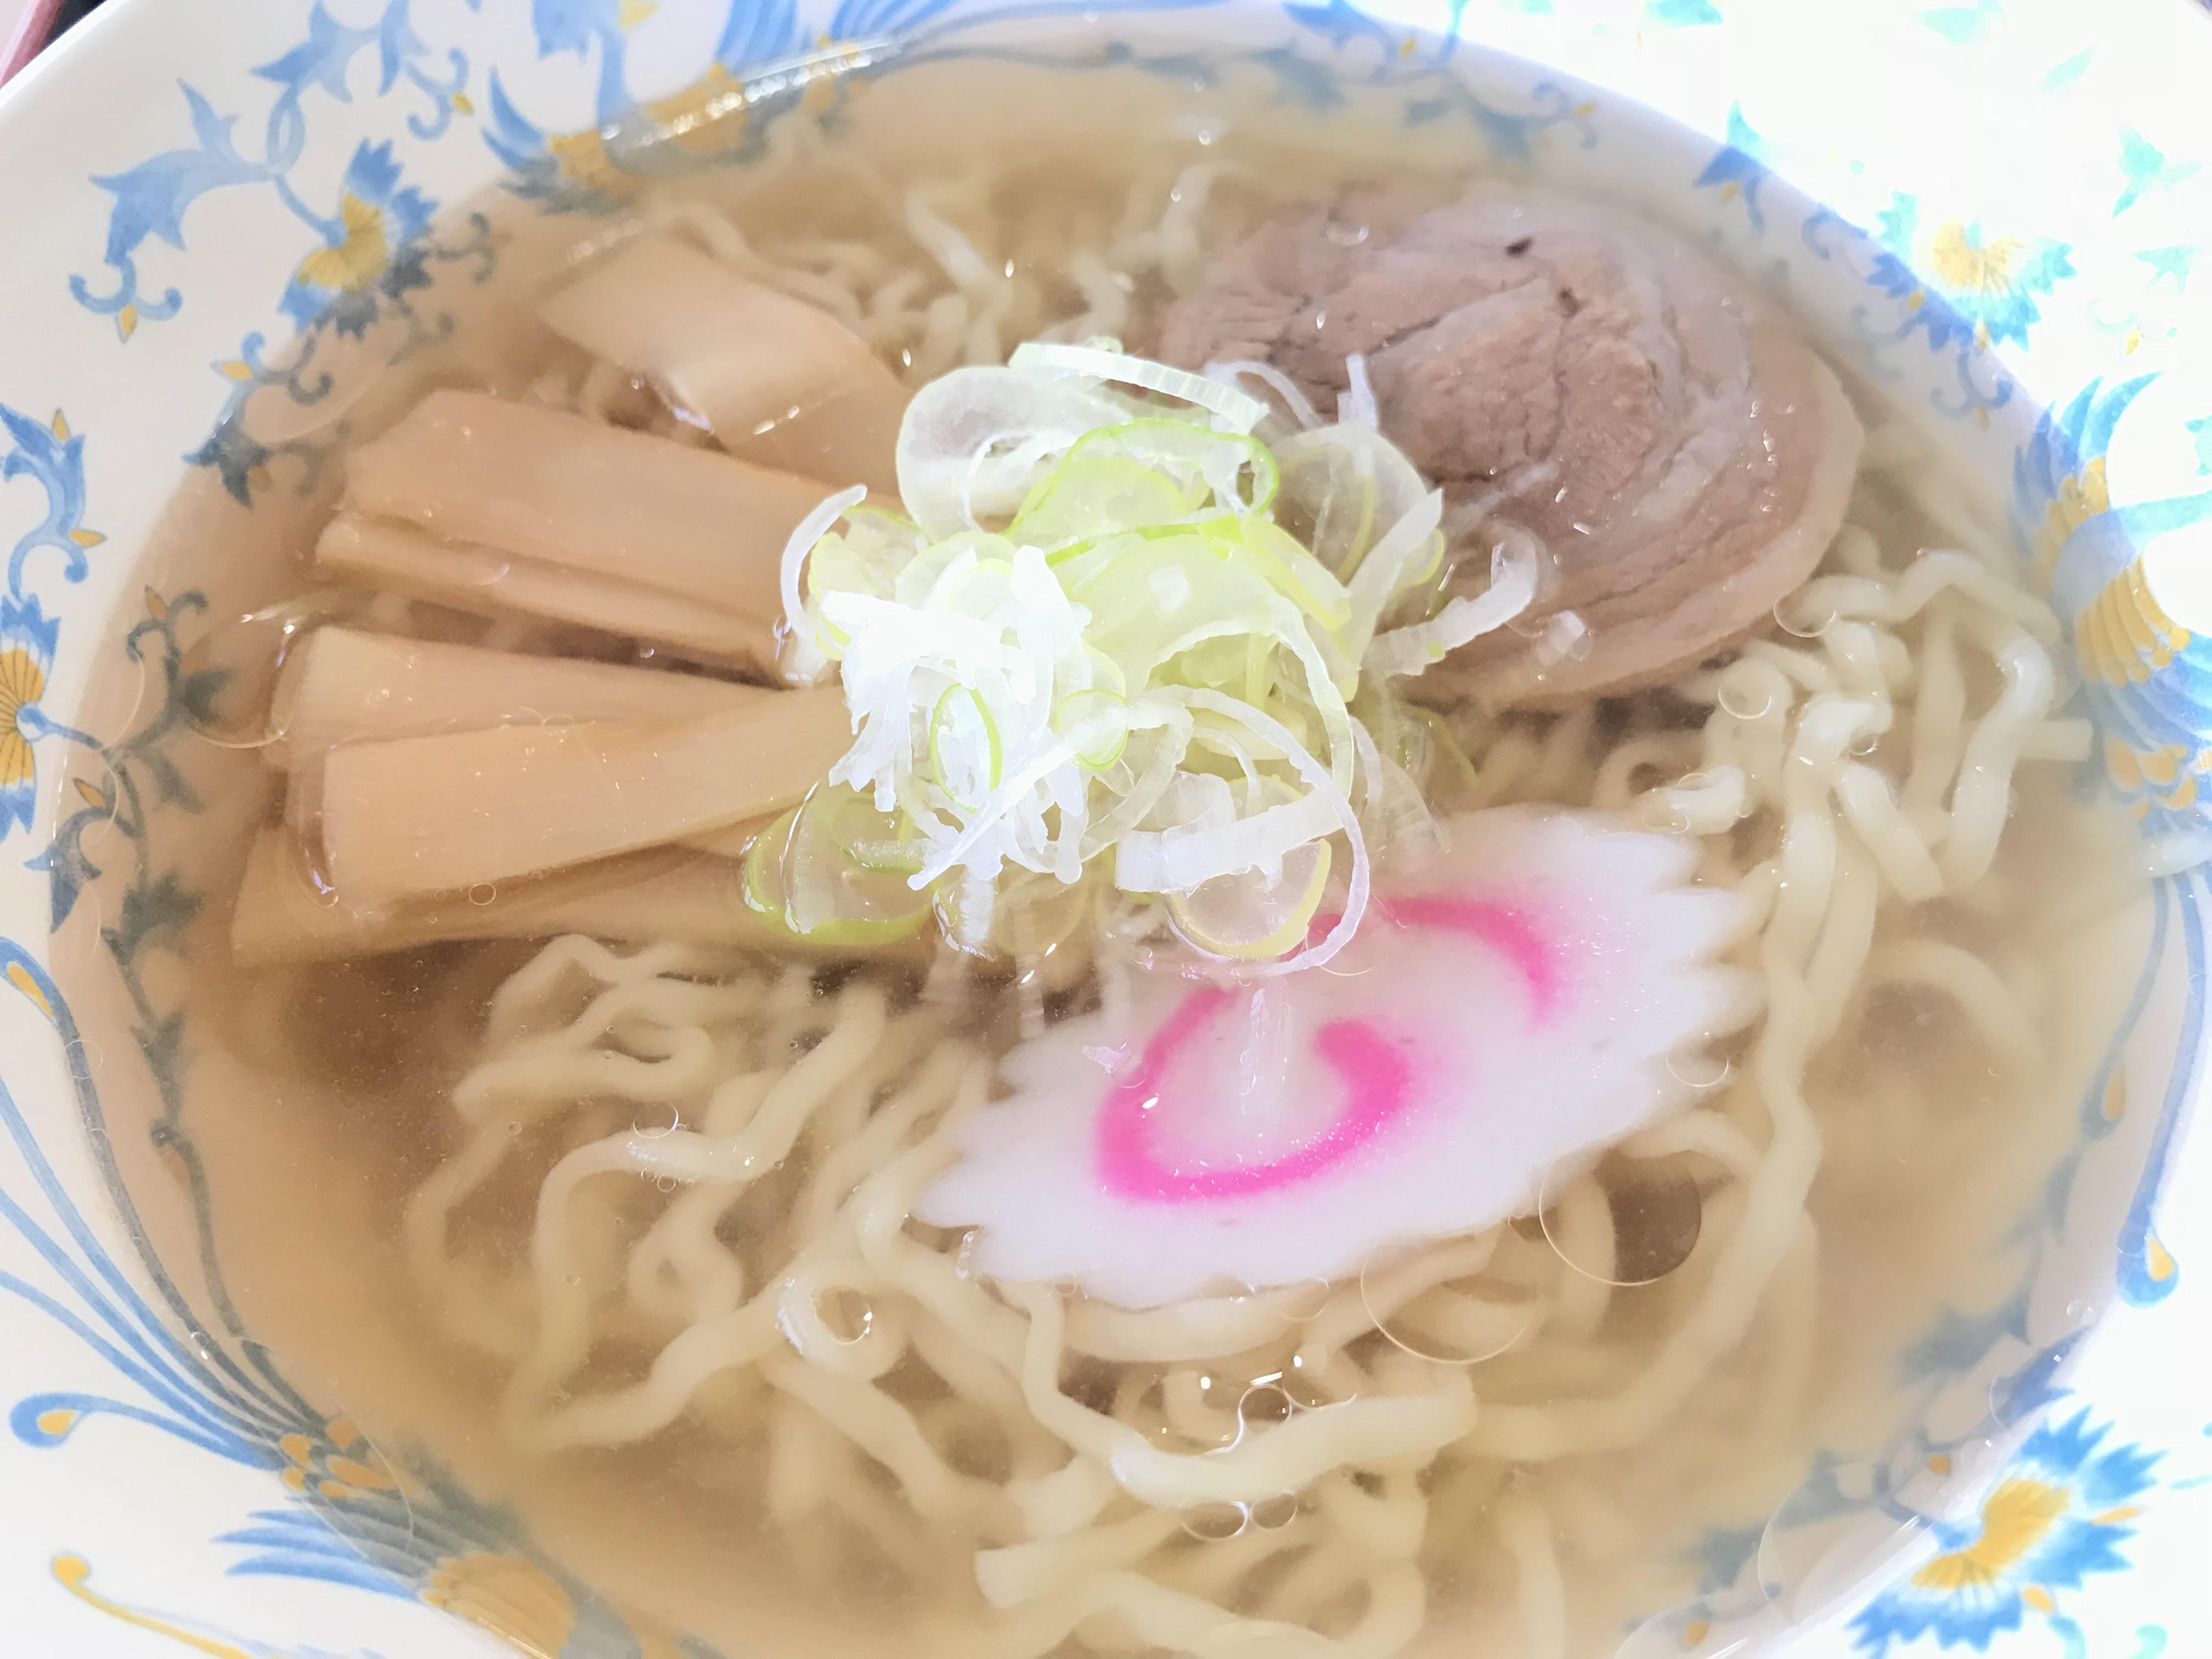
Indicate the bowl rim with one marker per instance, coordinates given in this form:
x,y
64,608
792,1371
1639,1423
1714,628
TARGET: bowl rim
x,y
46,82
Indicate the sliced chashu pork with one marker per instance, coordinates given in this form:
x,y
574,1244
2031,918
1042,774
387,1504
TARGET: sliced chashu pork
x,y
1683,456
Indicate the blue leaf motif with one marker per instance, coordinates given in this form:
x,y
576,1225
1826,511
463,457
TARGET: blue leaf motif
x,y
38,450
1307,85
2145,167
69,873
1960,25
1957,1341
857,19
2100,413
396,45
2119,1474
155,912
52,456
320,60
1341,22
756,35
306,1538
328,1570
573,25
2200,433
2034,1385
2066,73
2175,262
1723,1552
1736,169
1680,14
513,137
150,198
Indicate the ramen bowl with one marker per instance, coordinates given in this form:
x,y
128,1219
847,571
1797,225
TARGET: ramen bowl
x,y
1992,214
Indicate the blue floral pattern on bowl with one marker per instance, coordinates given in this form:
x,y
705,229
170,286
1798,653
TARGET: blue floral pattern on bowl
x,y
2060,1512
1952,300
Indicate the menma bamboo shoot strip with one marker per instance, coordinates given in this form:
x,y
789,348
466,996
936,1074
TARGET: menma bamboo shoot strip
x,y
538,483
345,686
378,553
777,380
441,814
285,914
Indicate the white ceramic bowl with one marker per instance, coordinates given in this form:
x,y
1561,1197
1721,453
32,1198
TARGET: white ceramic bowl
x,y
1996,209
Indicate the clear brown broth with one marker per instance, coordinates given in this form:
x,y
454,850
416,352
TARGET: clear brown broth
x,y
319,1099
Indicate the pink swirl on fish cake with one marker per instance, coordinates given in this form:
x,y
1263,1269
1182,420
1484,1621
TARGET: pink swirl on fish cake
x,y
1377,1078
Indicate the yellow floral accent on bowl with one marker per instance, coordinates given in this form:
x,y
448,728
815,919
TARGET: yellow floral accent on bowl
x,y
1963,264
705,116
20,977
583,161
2013,1521
708,116
2159,767
2125,635
507,1596
357,260
2080,498
369,1476
74,1572
22,683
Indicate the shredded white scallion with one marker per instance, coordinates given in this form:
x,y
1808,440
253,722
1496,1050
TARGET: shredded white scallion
x,y
1229,371
804,661
1233,410
1410,650
1357,406
1094,610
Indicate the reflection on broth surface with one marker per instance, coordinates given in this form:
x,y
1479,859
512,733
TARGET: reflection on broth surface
x,y
907,1211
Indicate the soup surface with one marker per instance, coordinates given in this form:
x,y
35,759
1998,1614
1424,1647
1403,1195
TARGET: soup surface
x,y
686,1222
